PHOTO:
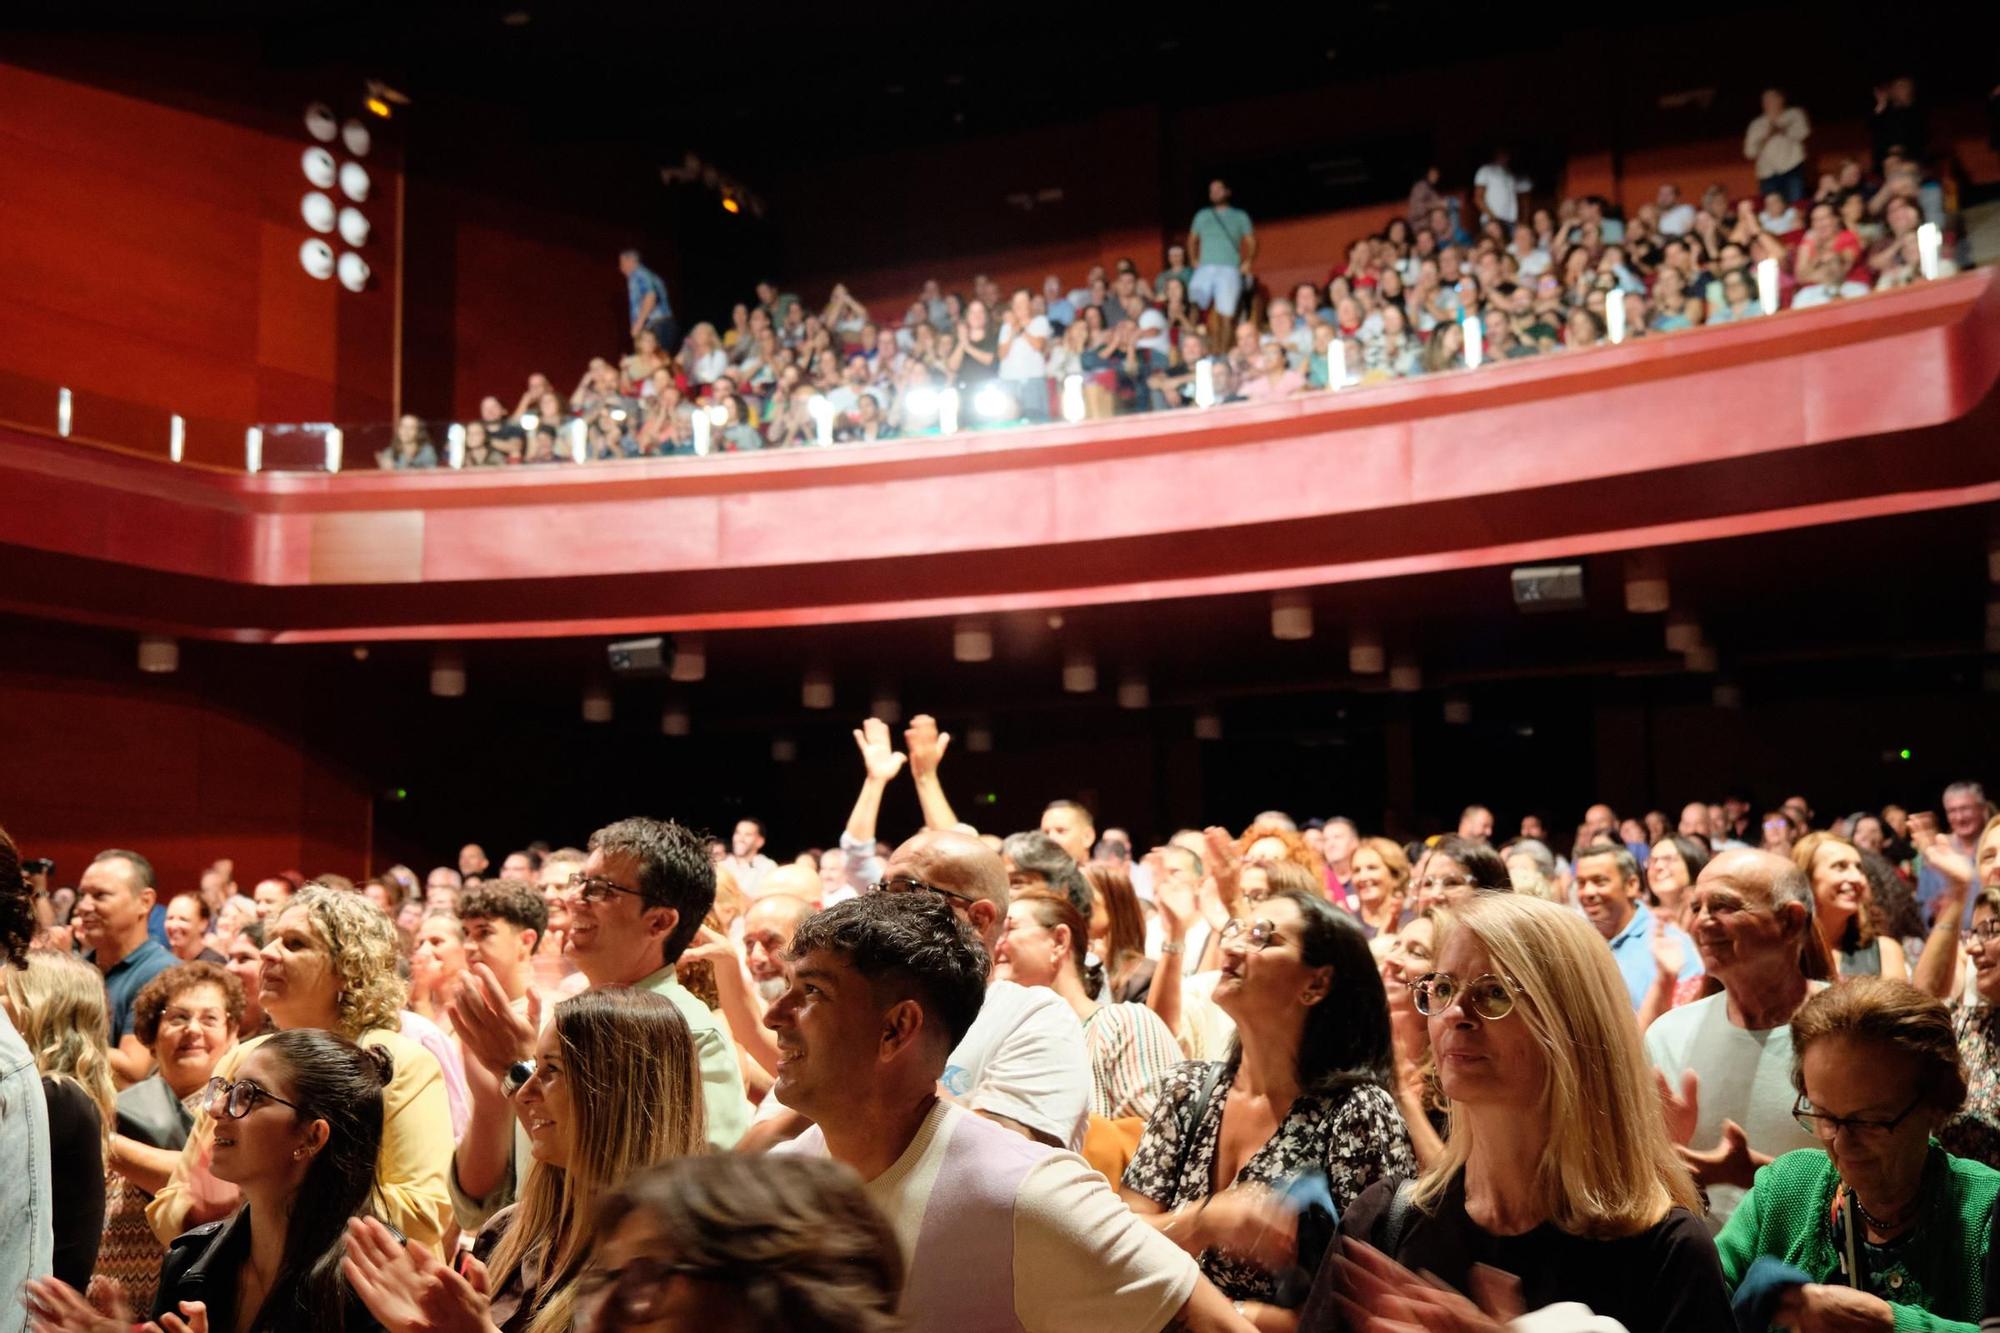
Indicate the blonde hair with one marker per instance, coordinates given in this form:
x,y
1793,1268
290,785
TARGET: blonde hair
x,y
362,944
1393,861
635,1088
1609,1169
60,1002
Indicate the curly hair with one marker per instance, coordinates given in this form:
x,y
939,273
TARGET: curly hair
x,y
362,945
154,997
17,907
1297,851
795,1240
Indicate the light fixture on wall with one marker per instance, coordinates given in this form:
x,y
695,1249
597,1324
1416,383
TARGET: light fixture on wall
x,y
1208,725
1406,675
354,272
690,662
674,720
321,123
596,702
1366,655
1133,692
817,691
354,182
158,654
317,210
1079,673
1291,616
972,641
320,168
354,227
448,673
354,136
316,258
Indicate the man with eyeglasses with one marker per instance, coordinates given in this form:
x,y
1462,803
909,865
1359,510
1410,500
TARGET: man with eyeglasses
x,y
1725,1062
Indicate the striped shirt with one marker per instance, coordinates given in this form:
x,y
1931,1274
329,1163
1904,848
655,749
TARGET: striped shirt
x,y
1131,1050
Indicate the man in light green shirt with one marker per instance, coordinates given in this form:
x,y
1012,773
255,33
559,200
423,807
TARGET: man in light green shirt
x,y
1222,246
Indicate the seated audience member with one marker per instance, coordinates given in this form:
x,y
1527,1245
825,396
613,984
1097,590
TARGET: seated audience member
x,y
437,965
1830,283
1380,880
299,1130
1724,1062
632,908
614,1088
1035,862
1843,910
329,968
244,954
1409,957
1305,1089
502,922
1607,890
188,920
1972,993
1883,1228
57,1003
271,895
1455,870
1118,932
885,988
113,903
1557,1170
412,447
1737,300
27,1237
1672,866
189,1016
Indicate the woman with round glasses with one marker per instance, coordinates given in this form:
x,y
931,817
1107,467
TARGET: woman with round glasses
x,y
614,1088
1557,1168
296,1132
1304,1092
1454,869
329,964
1884,1229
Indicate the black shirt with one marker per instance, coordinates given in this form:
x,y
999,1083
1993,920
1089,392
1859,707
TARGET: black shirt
x,y
1664,1278
76,1165
202,1264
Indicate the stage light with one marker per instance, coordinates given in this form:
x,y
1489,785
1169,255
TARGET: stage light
x,y
353,226
1365,654
1614,315
253,449
1336,363
886,706
1405,675
354,181
353,271
317,210
821,409
65,407
1767,286
1208,725
378,107
992,403
1702,657
529,421
579,441
320,122
596,702
158,654
1204,383
729,204
718,415
617,414
921,402
1683,631
1072,398
316,258
703,425
319,167
1928,242
1291,616
336,444
176,437
355,136
674,721
972,641
1475,341
1647,591
1133,693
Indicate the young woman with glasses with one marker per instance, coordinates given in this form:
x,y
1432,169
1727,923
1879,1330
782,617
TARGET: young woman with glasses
x,y
1557,1169
1884,1228
296,1132
1304,1093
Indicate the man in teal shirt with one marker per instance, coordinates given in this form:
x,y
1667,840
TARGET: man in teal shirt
x,y
1222,246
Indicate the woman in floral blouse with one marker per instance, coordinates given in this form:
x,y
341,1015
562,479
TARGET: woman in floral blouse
x,y
1974,1000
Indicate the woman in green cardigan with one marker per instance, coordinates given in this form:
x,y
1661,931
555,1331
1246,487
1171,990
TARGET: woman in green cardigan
x,y
1884,1230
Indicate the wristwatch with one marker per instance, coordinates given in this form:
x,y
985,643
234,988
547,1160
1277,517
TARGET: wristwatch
x,y
517,1073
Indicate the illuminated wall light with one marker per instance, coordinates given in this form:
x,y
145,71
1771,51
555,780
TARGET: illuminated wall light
x,y
992,403
1928,242
784,750
579,440
1406,676
1475,341
528,423
948,412
1614,315
1683,631
320,168
702,428
690,662
318,211
821,408
1072,398
1204,382
454,444
448,673
1208,725
354,228
158,654
729,204
1291,616
1336,363
1701,657
356,138
253,449
316,258
675,721
377,107
354,181
1767,286
1646,588
979,738
1079,673
320,122
1366,655
336,443
1458,710
176,437
972,641
886,706
354,271
597,702
1133,693
817,691
64,410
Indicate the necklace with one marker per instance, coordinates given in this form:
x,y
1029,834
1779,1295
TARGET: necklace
x,y
1888,1226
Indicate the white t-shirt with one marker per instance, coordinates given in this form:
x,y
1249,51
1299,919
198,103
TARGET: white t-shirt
x,y
1502,191
1025,1058
1745,1076
1020,360
1678,220
1083,1262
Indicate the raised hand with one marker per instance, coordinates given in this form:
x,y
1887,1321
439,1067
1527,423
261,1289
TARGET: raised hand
x,y
1669,954
486,1024
926,745
1732,1161
878,753
1683,1108
1173,900
1225,867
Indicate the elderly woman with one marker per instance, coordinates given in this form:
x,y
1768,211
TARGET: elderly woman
x,y
1884,1229
1558,1168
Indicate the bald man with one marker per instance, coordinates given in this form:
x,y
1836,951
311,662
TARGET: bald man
x,y
1726,1061
768,928
790,880
1024,1063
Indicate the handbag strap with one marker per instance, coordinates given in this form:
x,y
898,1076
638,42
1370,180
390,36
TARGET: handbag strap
x,y
1202,1098
1395,1223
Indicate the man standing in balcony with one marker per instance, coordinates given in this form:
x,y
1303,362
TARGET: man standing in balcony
x,y
1222,246
1498,190
646,301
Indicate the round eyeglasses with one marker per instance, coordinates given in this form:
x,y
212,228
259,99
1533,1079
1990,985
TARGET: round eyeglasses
x,y
1258,934
1491,997
234,1100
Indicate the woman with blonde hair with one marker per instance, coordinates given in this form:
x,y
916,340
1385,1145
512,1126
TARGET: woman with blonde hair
x,y
1844,911
57,1003
1381,882
329,963
1557,1168
614,1088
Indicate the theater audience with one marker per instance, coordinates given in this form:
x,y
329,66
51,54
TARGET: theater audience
x,y
1539,1057
297,1133
1876,1226
114,901
329,968
1305,1089
1380,881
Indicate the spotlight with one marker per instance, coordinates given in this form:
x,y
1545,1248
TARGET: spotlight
x,y
320,168
316,258
729,204
993,403
317,210
354,181
353,226
921,401
381,99
972,641
353,272
377,107
1072,398
357,138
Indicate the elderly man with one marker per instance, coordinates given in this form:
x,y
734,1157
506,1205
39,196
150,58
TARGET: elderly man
x,y
1695,823
113,903
768,928
996,1232
1964,816
1725,1062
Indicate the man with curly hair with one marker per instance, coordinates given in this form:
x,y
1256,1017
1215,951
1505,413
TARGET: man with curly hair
x,y
27,1236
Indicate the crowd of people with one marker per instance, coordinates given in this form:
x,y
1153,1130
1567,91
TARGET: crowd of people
x,y
1456,279
1660,1073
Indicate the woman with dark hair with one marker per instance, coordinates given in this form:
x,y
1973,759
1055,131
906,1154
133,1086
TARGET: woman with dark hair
x,y
1672,867
1118,932
1454,869
1301,1104
297,1133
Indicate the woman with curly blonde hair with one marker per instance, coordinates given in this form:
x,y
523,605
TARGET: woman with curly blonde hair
x,y
57,1003
330,963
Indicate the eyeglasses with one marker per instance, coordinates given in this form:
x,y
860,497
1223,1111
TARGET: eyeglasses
x,y
234,1100
1444,883
631,1294
179,1020
1987,930
911,884
1491,997
596,889
1824,1126
1261,934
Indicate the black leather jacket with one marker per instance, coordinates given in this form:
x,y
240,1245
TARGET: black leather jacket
x,y
202,1264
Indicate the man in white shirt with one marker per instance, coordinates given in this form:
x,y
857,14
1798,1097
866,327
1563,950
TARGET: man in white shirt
x,y
746,859
1832,284
997,1232
1725,1063
1498,190
1676,214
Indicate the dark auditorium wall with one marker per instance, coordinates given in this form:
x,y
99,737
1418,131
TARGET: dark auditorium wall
x,y
152,258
